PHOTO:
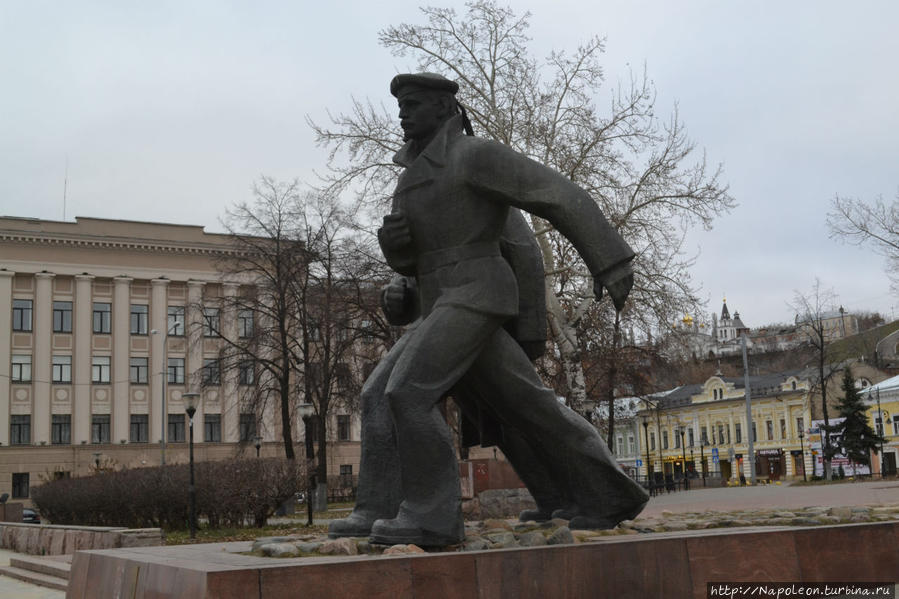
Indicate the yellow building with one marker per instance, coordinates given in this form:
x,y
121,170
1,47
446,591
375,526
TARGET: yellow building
x,y
883,412
702,429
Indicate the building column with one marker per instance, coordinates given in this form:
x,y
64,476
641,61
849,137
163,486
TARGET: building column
x,y
41,363
81,408
121,345
230,400
6,278
193,375
158,323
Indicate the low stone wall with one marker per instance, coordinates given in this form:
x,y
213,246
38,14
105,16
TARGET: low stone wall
x,y
49,539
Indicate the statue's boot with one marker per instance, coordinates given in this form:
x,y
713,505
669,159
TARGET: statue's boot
x,y
436,529
585,520
357,524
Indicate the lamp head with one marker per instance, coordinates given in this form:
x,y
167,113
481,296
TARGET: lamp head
x,y
191,401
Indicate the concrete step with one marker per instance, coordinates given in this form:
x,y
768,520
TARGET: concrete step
x,y
44,580
42,565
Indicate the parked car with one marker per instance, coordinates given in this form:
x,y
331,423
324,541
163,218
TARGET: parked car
x,y
29,516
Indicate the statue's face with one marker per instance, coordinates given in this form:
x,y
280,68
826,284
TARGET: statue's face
x,y
421,114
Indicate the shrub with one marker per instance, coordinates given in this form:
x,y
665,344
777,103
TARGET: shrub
x,y
231,493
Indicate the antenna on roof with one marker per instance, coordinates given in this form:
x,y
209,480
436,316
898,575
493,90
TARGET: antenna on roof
x,y
65,187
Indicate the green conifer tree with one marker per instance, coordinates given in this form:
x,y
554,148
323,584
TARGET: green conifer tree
x,y
858,438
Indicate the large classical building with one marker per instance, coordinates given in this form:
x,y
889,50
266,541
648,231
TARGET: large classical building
x,y
96,352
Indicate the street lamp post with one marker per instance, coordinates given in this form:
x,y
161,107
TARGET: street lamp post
x,y
684,450
802,455
646,441
257,443
882,432
163,375
307,410
702,444
190,406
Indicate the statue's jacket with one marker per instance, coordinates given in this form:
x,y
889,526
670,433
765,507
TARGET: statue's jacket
x,y
456,195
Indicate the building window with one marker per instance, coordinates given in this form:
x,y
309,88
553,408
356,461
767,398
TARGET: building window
x,y
664,439
19,429
738,432
21,369
703,436
721,435
102,318
175,320
246,373
21,315
755,435
212,428
343,427
176,371
878,425
62,317
139,319
895,426
20,485
346,470
652,441
100,369
100,428
690,437
211,322
62,369
677,439
139,428
769,429
212,372
800,425
783,428
139,371
245,323
247,427
176,428
61,429
619,442
630,445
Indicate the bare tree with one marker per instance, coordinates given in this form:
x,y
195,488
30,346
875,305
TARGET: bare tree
x,y
307,316
875,224
640,170
811,309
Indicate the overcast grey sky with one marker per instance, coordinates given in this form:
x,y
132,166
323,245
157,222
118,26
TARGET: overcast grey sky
x,y
168,110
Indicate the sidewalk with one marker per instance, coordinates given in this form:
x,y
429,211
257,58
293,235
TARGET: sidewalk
x,y
10,588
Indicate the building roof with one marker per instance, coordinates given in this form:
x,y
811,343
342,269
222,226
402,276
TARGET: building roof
x,y
767,385
891,384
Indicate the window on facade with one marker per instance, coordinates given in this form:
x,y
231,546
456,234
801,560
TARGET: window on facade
x,y
211,322
176,428
246,374
346,470
895,426
100,428
212,428
721,434
630,445
19,429
652,441
139,370
690,439
664,439
619,443
800,425
102,318
62,369
62,317
245,323
21,315
755,436
176,371
100,369
738,433
175,320
212,372
20,485
793,385
783,428
140,314
139,428
247,427
343,427
769,429
878,425
677,439
21,369
703,436
61,429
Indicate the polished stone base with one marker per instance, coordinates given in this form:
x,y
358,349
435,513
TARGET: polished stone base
x,y
669,565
